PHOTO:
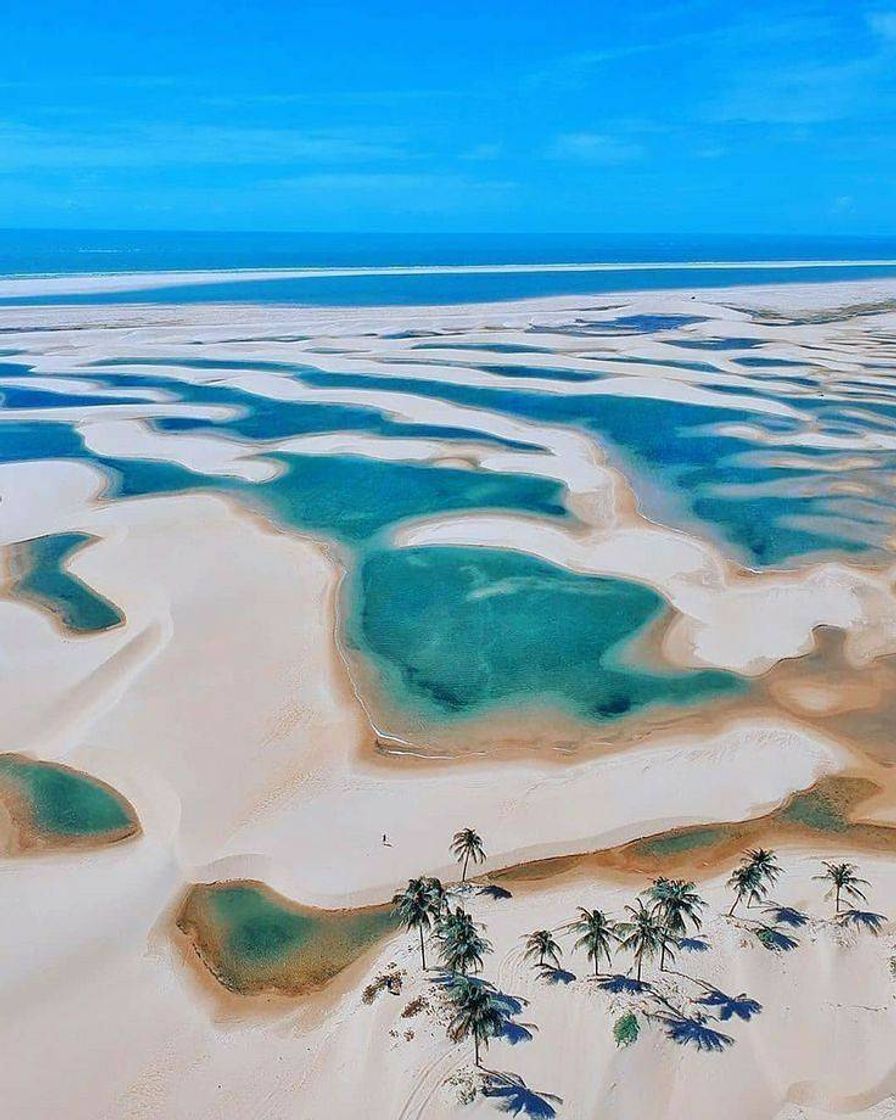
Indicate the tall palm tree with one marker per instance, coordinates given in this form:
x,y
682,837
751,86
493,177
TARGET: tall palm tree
x,y
461,946
465,846
676,902
746,881
439,894
477,1013
844,881
599,934
417,907
541,947
766,863
645,934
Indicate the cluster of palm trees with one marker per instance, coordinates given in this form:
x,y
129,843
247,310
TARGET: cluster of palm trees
x,y
424,905
652,927
664,918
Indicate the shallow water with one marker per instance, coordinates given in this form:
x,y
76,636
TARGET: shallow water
x,y
65,805
461,632
253,939
715,468
679,448
42,578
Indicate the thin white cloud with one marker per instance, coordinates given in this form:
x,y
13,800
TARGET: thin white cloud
x,y
594,147
883,24
24,146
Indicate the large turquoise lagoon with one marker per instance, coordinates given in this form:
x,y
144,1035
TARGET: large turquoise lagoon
x,y
457,633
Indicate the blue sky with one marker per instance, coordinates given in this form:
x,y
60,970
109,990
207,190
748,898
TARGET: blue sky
x,y
646,116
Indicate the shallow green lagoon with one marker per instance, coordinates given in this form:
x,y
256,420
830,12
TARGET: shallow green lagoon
x,y
253,939
43,578
65,805
460,632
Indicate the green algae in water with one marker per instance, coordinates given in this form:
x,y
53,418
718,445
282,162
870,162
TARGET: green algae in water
x,y
677,843
44,579
253,939
64,805
814,809
456,632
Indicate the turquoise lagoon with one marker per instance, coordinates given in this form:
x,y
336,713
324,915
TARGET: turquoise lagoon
x,y
464,632
253,939
685,469
456,634
42,577
63,806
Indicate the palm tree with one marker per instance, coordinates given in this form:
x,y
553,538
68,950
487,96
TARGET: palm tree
x,y
844,881
645,934
598,935
417,907
478,1013
747,882
676,902
467,845
439,894
766,863
461,946
541,945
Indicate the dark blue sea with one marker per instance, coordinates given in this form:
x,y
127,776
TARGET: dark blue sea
x,y
72,252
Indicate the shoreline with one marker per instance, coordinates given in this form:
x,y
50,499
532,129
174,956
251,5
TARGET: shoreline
x,y
47,283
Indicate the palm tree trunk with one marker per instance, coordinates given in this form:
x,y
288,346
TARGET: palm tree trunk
x,y
734,906
837,902
663,958
422,949
476,1048
640,960
463,877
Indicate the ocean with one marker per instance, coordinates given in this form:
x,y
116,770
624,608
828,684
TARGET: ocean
x,y
748,260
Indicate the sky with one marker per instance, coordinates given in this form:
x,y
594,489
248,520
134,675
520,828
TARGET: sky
x,y
777,116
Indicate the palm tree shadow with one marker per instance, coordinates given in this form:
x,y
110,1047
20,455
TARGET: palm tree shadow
x,y
862,919
515,1097
499,894
693,944
515,1033
684,1030
787,916
727,1007
775,940
619,983
552,974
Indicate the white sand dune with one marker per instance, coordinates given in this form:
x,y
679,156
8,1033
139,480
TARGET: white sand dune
x,y
222,709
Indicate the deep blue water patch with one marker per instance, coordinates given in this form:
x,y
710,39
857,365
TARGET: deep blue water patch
x,y
673,443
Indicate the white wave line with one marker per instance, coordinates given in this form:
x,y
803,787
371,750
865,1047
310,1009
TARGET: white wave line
x,y
19,284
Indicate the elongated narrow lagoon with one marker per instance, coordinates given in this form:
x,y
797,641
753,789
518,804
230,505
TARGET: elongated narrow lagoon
x,y
253,940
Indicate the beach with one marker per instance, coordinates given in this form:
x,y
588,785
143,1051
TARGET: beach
x,y
240,476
